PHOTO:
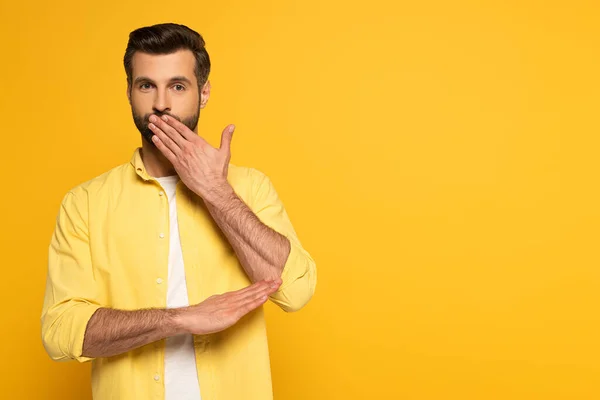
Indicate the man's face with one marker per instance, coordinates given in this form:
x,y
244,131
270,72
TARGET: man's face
x,y
165,84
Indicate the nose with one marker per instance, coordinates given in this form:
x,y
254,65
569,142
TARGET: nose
x,y
162,102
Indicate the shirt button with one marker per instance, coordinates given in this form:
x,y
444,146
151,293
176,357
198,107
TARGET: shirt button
x,y
156,377
159,281
161,235
160,193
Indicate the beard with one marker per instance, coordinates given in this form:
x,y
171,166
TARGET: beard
x,y
142,121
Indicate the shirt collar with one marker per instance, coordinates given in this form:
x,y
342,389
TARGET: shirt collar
x,y
138,165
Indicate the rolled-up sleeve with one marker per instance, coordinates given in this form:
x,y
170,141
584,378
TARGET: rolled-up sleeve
x,y
299,274
71,295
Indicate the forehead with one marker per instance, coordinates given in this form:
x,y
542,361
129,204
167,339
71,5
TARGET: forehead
x,y
164,66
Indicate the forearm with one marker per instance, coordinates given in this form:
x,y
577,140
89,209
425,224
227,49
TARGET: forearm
x,y
111,332
261,250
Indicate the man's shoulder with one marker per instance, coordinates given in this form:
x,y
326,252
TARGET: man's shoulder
x,y
247,182
244,175
105,182
244,179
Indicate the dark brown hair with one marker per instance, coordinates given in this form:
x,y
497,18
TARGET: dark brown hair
x,y
166,39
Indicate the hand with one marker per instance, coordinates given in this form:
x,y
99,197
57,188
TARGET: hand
x,y
201,167
222,311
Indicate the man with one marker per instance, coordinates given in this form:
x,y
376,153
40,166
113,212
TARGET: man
x,y
158,268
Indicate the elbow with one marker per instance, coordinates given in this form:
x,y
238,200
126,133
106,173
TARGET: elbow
x,y
293,306
297,293
63,331
52,344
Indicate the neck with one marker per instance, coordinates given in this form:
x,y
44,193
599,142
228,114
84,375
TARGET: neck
x,y
155,162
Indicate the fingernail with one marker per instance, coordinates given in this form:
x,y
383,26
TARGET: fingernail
x,y
152,118
232,128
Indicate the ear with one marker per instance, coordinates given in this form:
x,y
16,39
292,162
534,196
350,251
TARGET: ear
x,y
129,94
204,94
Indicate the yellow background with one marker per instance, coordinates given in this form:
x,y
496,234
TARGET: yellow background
x,y
437,158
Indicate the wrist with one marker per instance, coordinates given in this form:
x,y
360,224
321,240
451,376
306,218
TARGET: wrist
x,y
176,321
220,195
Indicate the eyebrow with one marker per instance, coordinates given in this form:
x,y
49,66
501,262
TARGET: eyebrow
x,y
173,79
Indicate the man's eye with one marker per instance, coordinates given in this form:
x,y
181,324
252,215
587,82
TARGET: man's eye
x,y
144,84
180,86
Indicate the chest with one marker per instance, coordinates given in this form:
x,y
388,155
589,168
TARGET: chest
x,y
132,238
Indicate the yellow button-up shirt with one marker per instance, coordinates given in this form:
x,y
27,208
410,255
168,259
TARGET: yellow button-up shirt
x,y
109,249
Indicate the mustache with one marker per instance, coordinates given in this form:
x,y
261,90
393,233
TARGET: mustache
x,y
158,115
142,121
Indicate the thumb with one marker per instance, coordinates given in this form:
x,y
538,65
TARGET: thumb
x,y
226,137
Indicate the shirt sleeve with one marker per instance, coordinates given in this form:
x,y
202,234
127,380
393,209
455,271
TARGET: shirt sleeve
x,y
299,274
71,292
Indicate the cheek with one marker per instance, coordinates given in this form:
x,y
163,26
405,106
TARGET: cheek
x,y
185,107
140,102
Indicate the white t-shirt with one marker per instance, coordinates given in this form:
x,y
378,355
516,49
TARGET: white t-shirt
x,y
181,377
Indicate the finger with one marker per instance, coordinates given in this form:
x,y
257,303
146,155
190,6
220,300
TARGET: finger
x,y
183,130
170,131
164,149
251,305
235,295
263,286
166,140
240,300
266,291
278,281
226,137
